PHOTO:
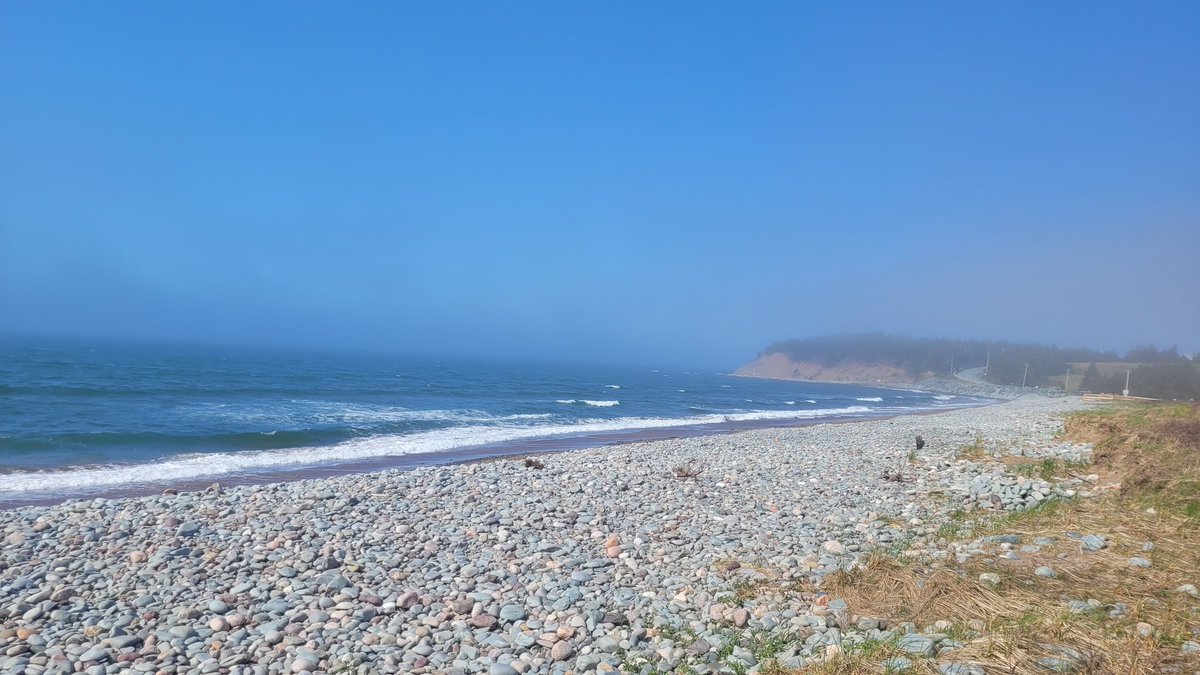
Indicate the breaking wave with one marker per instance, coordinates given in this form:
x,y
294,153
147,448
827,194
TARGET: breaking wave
x,y
211,465
594,404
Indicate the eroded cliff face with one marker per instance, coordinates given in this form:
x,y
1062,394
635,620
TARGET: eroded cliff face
x,y
780,367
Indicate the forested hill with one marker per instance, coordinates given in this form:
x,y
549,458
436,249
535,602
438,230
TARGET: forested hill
x,y
1159,373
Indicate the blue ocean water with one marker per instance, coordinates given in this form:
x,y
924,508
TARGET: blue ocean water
x,y
81,417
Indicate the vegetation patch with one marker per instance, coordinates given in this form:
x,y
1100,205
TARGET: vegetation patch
x,y
1047,469
976,452
1122,603
1154,449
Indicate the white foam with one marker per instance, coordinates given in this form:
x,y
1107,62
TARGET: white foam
x,y
762,415
207,465
790,402
303,413
612,386
942,397
874,399
594,404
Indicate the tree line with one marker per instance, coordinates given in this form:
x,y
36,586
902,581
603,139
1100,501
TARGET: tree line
x,y
1160,373
1164,379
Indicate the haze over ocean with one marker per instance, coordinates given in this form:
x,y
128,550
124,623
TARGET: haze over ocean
x,y
681,183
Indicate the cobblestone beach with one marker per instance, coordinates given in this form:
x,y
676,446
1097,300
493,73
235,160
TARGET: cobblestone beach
x,y
607,559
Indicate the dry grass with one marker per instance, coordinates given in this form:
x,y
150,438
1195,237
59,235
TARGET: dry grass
x,y
1045,468
1154,448
1154,452
888,587
975,452
689,471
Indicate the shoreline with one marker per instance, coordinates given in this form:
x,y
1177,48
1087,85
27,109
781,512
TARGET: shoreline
x,y
603,560
406,462
877,385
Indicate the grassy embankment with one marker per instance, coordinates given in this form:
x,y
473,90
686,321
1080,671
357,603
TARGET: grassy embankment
x,y
1128,619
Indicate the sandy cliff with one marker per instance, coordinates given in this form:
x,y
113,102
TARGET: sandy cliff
x,y
780,367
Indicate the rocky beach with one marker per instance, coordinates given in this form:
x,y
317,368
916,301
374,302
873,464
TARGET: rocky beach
x,y
630,558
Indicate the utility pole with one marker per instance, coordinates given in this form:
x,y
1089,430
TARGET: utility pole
x,y
952,371
987,365
1067,384
1025,376
1126,392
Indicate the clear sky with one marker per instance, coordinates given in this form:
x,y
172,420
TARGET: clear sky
x,y
642,182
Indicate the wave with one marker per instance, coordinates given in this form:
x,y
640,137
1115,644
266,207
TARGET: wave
x,y
300,413
790,402
612,386
209,465
873,399
942,397
594,404
269,439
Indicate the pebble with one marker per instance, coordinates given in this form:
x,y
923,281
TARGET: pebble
x,y
917,644
602,557
512,613
561,651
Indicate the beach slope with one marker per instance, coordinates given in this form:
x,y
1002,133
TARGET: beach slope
x,y
634,556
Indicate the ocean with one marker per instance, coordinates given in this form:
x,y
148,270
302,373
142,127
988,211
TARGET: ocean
x,y
92,418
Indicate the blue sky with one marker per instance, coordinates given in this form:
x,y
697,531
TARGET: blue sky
x,y
600,181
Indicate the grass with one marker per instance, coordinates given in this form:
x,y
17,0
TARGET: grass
x,y
974,452
870,656
956,526
1048,469
1007,522
745,590
1154,448
1153,453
